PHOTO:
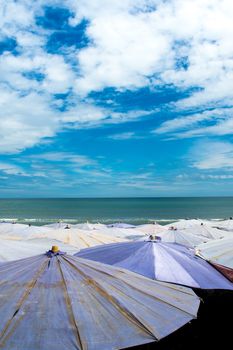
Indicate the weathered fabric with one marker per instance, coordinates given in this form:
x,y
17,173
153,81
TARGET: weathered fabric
x,y
68,303
218,251
161,261
14,250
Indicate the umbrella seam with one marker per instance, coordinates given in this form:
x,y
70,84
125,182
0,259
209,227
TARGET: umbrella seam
x,y
69,307
21,301
114,301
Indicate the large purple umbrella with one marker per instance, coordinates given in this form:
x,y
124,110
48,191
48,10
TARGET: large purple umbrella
x,y
58,302
167,262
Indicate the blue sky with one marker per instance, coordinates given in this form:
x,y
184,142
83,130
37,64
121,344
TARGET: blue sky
x,y
110,98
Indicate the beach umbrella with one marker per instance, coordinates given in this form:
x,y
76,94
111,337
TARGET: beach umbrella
x,y
183,237
6,227
60,302
58,225
14,250
187,223
225,224
22,231
77,238
89,227
151,229
206,231
129,233
220,254
83,239
160,261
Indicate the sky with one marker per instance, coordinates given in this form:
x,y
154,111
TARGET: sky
x,y
109,98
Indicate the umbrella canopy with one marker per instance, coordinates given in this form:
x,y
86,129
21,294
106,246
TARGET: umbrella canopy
x,y
226,271
160,261
22,231
130,233
57,301
14,250
77,238
58,225
225,224
83,239
183,237
206,231
151,229
187,223
89,227
121,225
219,251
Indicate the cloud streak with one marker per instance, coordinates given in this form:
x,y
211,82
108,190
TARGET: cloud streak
x,y
185,44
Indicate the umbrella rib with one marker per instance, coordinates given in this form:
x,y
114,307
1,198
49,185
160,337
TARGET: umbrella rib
x,y
21,301
70,309
129,315
85,242
156,297
97,239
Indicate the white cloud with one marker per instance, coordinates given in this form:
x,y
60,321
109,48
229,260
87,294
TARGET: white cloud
x,y
204,176
217,177
212,155
132,44
64,157
127,50
123,136
15,15
221,123
12,169
24,121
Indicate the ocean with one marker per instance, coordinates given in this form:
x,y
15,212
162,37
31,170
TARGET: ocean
x,y
108,210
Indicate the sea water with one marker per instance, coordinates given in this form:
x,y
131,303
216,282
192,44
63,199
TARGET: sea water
x,y
108,210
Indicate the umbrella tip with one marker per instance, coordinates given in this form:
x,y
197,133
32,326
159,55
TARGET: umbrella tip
x,y
55,249
154,238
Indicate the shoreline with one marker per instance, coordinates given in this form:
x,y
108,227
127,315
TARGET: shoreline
x,y
139,221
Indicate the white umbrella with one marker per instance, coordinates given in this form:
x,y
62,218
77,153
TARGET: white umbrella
x,y
225,224
14,250
22,231
182,237
219,251
206,231
89,227
151,229
166,262
187,223
63,302
129,233
58,225
83,239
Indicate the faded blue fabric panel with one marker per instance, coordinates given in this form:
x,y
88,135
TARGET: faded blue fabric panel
x,y
161,261
159,307
102,323
42,321
64,302
109,253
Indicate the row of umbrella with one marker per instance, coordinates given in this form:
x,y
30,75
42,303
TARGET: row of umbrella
x,y
110,296
180,224
191,236
213,244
